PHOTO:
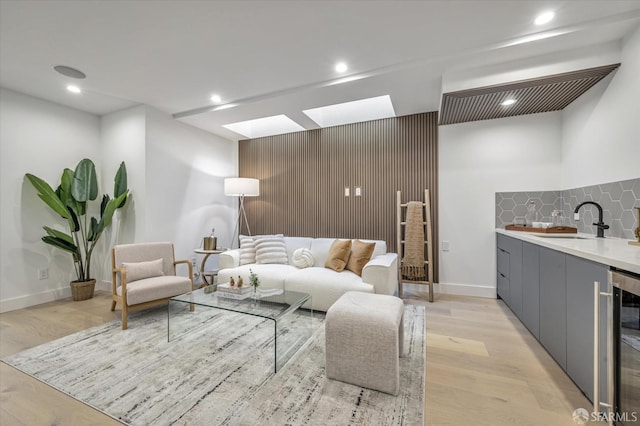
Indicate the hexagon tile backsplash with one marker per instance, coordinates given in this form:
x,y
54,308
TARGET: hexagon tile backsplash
x,y
618,200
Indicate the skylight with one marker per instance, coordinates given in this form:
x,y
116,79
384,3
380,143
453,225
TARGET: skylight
x,y
352,112
266,126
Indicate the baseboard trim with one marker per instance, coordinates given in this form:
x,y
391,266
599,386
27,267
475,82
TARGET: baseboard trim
x,y
467,290
26,301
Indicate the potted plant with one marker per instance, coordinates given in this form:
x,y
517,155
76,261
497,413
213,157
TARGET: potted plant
x,y
71,200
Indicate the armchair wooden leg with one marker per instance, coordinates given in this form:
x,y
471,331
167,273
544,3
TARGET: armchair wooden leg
x,y
192,307
113,305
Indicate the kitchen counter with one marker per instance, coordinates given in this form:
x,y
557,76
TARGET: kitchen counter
x,y
614,252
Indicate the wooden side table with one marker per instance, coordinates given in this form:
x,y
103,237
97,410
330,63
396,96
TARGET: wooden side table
x,y
211,274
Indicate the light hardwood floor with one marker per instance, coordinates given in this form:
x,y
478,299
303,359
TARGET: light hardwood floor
x,y
483,367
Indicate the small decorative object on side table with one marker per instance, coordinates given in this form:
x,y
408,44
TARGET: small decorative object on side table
x,y
637,231
255,283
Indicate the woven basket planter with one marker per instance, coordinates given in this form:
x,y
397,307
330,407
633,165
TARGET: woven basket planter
x,y
82,290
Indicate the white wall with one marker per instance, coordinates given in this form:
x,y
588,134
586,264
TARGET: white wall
x,y
476,160
185,171
175,174
601,129
42,138
123,138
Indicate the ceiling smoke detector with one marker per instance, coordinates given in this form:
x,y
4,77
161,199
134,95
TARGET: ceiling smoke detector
x,y
69,72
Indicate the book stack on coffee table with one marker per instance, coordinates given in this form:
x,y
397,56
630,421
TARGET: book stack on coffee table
x,y
234,292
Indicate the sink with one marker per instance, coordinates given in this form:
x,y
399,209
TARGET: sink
x,y
564,236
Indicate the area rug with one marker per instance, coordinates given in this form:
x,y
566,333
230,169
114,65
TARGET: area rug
x,y
220,373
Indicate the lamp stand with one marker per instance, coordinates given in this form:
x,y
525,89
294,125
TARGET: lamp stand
x,y
241,213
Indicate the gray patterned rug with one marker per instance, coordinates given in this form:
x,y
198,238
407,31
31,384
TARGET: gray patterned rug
x,y
221,373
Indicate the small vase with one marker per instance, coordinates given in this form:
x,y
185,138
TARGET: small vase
x,y
255,294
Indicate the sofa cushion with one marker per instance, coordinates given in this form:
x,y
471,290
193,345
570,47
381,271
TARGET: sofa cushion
x,y
302,258
141,270
380,248
360,254
155,288
338,255
320,249
294,243
247,250
270,249
325,285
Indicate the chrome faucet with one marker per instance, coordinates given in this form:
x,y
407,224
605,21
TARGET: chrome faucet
x,y
600,224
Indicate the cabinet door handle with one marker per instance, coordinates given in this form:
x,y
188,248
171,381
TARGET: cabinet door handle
x,y
596,350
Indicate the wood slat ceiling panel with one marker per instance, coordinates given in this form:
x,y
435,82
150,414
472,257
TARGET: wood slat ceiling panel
x,y
544,94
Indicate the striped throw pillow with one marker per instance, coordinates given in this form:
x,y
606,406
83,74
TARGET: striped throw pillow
x,y
271,249
247,250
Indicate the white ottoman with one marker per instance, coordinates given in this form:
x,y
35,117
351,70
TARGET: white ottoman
x,y
364,337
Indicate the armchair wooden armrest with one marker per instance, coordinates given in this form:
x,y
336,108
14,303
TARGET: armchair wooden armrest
x,y
189,264
123,279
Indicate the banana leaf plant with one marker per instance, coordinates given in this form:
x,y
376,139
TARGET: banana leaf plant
x,y
71,200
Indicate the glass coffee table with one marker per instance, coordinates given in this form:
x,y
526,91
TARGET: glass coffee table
x,y
283,309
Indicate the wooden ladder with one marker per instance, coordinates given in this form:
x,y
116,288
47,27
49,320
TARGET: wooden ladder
x,y
428,243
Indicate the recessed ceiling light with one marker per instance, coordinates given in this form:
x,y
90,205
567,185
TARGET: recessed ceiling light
x,y
341,67
508,102
74,89
69,72
216,98
266,126
352,112
543,18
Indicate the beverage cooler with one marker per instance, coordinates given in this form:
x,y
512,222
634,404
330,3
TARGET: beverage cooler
x,y
622,402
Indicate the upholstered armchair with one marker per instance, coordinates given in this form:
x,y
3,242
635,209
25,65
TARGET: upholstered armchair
x,y
145,275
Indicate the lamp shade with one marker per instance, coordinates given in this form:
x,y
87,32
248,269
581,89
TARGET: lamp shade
x,y
247,187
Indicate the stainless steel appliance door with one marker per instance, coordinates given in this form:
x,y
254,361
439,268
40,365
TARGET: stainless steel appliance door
x,y
626,293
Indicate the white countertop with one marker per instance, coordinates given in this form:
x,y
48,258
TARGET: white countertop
x,y
608,251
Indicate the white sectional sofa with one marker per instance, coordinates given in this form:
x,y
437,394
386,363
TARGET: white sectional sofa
x,y
325,285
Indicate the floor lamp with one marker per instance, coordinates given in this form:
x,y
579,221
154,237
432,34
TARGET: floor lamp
x,y
241,187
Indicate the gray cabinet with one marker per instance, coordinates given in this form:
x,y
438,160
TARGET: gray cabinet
x,y
531,288
581,274
552,294
503,268
553,304
515,276
509,261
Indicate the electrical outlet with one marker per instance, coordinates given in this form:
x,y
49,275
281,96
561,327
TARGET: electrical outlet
x,y
43,274
358,191
445,246
346,191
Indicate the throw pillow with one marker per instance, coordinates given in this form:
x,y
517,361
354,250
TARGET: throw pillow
x,y
141,270
271,249
303,258
338,255
247,250
360,254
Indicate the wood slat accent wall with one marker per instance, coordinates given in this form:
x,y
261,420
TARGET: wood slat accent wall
x,y
303,176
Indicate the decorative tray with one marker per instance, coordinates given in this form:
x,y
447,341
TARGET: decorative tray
x,y
550,230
